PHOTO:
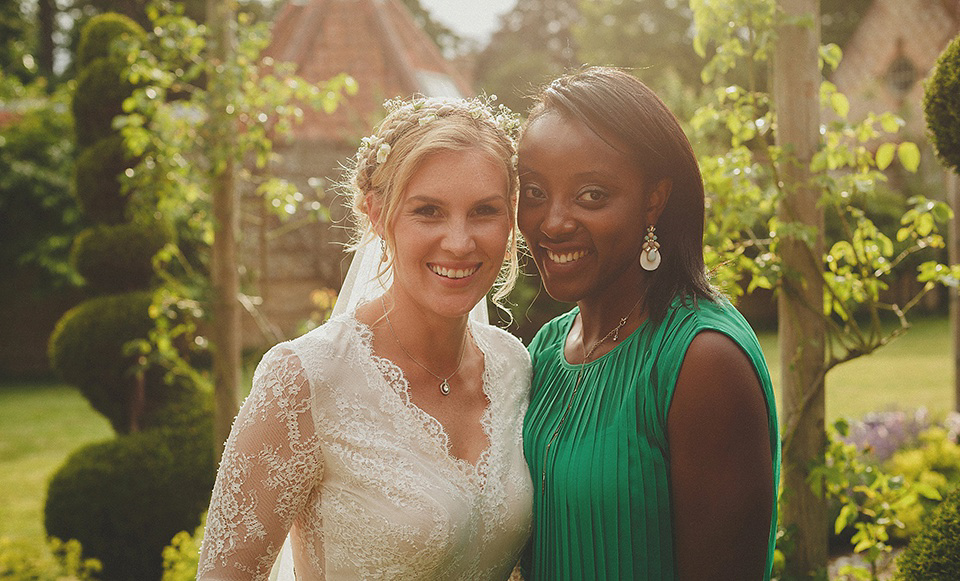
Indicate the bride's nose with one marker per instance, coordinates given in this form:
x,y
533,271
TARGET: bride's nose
x,y
457,239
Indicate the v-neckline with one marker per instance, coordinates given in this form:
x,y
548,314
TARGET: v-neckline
x,y
438,434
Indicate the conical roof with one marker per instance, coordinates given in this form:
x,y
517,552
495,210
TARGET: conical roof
x,y
376,42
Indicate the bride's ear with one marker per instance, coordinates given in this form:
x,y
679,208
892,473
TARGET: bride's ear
x,y
374,211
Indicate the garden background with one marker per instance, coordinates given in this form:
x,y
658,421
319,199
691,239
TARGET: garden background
x,y
128,132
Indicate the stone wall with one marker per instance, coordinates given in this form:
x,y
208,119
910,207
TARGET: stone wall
x,y
284,261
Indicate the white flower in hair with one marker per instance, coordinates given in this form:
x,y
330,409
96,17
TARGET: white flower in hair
x,y
427,118
382,152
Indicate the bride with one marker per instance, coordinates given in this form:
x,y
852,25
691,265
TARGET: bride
x,y
386,443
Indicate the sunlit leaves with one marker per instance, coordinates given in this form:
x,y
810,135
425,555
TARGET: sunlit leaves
x,y
744,171
885,154
909,155
737,29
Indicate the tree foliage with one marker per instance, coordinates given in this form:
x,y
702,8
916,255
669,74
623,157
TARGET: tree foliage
x,y
652,36
449,42
534,44
38,216
743,170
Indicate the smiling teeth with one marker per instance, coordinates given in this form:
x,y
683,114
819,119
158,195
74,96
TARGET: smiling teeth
x,y
568,257
453,272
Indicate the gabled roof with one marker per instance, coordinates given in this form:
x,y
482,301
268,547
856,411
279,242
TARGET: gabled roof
x,y
376,42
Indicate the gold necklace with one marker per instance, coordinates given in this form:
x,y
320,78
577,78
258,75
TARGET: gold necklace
x,y
444,381
615,332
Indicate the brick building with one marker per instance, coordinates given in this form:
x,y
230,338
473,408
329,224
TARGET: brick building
x,y
378,43
891,53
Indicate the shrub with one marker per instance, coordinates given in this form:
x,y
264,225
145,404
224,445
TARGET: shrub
x,y
124,499
119,258
941,105
181,557
934,554
934,467
100,32
59,562
97,180
86,349
101,90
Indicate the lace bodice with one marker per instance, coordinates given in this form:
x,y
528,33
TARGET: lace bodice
x,y
329,448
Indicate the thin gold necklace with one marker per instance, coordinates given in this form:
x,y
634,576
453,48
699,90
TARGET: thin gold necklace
x,y
615,333
444,381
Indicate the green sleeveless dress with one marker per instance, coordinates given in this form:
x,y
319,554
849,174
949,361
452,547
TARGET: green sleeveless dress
x,y
605,511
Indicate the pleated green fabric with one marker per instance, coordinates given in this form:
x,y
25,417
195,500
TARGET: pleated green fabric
x,y
604,512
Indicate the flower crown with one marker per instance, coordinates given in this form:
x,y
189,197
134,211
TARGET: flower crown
x,y
425,111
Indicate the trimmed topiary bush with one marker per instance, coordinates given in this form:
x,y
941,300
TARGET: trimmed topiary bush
x,y
100,32
941,105
101,90
934,554
97,180
86,349
119,258
126,498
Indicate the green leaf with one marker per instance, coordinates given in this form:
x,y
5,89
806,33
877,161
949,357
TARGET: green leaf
x,y
863,545
840,104
927,491
885,155
890,123
909,155
847,515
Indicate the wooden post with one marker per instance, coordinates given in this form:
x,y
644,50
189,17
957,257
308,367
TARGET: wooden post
x,y
953,198
800,301
226,284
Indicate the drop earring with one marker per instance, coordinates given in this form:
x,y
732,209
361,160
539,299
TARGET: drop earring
x,y
383,250
650,251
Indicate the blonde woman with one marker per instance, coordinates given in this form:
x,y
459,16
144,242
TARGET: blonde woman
x,y
387,442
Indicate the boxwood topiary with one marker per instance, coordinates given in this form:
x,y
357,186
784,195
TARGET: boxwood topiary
x,y
101,90
97,180
119,258
934,554
86,349
941,105
98,35
124,499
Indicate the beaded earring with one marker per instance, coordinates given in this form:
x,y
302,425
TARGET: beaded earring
x,y
650,252
383,250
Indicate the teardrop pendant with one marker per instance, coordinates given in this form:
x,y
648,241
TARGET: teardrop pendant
x,y
445,387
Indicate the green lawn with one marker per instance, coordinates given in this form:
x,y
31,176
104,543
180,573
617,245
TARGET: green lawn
x,y
40,424
913,371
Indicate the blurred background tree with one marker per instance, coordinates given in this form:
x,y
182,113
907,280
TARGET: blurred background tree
x,y
534,44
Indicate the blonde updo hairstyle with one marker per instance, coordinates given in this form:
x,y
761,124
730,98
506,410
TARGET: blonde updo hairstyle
x,y
413,130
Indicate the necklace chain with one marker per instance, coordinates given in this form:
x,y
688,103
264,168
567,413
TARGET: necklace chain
x,y
444,381
615,334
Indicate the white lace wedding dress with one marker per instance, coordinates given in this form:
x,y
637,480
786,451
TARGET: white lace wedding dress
x,y
329,448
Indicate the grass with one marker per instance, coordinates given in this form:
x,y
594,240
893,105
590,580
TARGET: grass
x,y
911,372
42,423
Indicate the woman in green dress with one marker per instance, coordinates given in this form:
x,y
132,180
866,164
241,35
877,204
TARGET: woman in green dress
x,y
651,434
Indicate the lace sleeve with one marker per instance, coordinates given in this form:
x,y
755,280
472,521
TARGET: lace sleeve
x,y
270,465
